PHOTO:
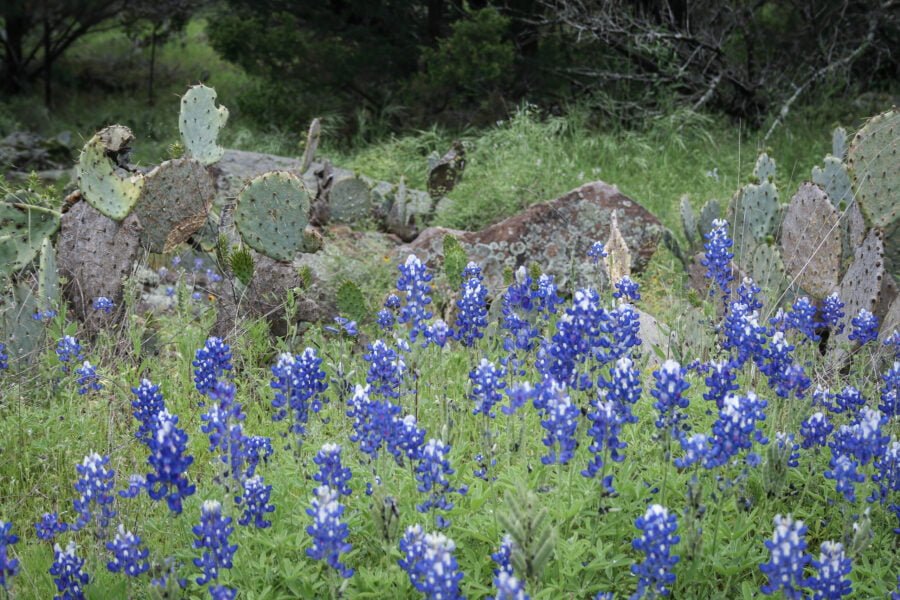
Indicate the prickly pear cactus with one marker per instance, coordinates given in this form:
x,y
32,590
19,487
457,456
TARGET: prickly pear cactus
x,y
767,270
811,241
349,201
833,178
312,144
200,123
709,213
862,283
48,278
112,194
839,143
755,211
23,227
688,220
174,203
351,302
21,333
271,214
765,168
618,257
873,159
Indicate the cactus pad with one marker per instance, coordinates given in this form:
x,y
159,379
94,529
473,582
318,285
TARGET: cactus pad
x,y
833,178
349,200
811,241
174,203
768,271
862,283
200,122
351,302
755,209
21,333
48,278
839,143
271,214
100,184
709,213
873,158
765,168
23,228
688,219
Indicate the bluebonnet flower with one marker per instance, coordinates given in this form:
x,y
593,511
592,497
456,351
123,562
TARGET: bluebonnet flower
x,y
197,296
147,403
471,316
777,363
696,448
374,421
843,470
87,378
429,562
220,592
785,449
226,436
255,448
68,350
385,319
4,357
736,428
210,363
169,462
509,587
824,398
431,473
546,297
802,318
519,395
105,304
887,473
487,385
212,537
386,369
832,314
299,383
669,393
503,556
657,539
255,501
815,430
580,333
788,559
129,556
748,294
344,325
890,393
413,283
743,333
9,567
408,439
623,388
597,251
67,573
864,327
518,306
136,484
44,316
328,533
198,264
606,424
437,333
331,472
864,438
627,288
604,596
625,326
721,381
830,581
213,276
849,399
95,484
392,302
50,526
717,258
170,291
560,424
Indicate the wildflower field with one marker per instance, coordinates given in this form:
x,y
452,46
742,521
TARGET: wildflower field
x,y
539,451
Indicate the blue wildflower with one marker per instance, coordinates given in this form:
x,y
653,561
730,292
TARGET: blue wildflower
x,y
95,484
720,382
890,393
625,326
328,533
830,581
849,399
748,294
147,403
743,333
210,363
374,421
87,378
503,556
9,567
429,562
413,284
696,448
471,316
437,333
169,462
560,425
68,350
802,318
863,439
331,472
519,395
815,430
487,385
717,258
104,304
50,525
832,314
255,501
212,537
4,357
385,319
657,539
299,383
606,424
887,473
627,288
136,484
129,556
843,470
788,559
864,327
509,587
736,428
67,573
597,251
431,473
386,369
546,297
623,388
408,439
669,393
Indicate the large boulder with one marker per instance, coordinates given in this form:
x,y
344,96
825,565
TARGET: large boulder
x,y
556,235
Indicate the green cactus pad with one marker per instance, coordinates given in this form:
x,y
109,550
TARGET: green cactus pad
x,y
101,186
709,213
48,278
688,219
174,203
862,283
23,227
349,200
271,214
873,159
21,333
200,122
833,178
764,169
755,210
839,143
811,241
351,302
768,271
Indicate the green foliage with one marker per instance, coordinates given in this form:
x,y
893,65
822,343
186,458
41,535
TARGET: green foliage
x,y
242,266
23,228
527,520
455,261
351,302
